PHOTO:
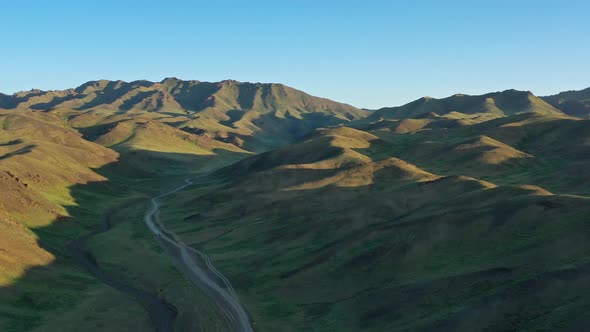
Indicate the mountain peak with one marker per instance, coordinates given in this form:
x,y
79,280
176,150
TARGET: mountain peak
x,y
170,79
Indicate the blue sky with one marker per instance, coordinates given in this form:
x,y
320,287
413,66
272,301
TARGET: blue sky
x,y
366,53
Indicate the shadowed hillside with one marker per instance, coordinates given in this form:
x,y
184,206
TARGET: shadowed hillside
x,y
574,103
39,159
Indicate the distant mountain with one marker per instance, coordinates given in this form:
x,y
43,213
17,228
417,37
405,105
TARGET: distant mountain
x,y
574,103
7,101
229,110
497,104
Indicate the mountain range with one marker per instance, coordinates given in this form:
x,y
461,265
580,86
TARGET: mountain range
x,y
466,213
255,114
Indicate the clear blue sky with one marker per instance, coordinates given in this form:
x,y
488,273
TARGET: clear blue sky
x,y
366,53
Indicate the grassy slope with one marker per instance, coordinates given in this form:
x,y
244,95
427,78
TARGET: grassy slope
x,y
382,244
57,184
56,187
38,202
336,232
39,160
167,150
550,152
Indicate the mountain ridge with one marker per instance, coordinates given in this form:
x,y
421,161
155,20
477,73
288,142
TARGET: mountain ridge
x,y
501,103
168,84
255,115
299,203
572,102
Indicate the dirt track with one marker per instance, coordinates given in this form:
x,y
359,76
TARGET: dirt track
x,y
198,268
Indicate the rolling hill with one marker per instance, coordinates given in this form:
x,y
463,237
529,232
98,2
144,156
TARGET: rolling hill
x,y
409,211
40,161
467,213
378,243
57,187
70,158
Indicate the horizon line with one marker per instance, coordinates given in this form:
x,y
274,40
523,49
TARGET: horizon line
x,y
278,83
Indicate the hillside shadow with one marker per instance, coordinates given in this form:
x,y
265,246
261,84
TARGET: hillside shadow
x,y
54,102
111,92
194,96
139,97
234,116
13,142
21,151
56,289
387,231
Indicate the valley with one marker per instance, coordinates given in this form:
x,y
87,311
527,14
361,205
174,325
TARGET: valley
x,y
299,213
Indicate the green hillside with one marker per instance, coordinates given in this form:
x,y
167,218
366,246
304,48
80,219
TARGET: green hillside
x,y
467,213
56,188
68,158
375,230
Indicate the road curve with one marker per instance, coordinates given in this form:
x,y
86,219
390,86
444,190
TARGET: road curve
x,y
198,267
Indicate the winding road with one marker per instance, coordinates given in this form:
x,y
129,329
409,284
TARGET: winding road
x,y
198,268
